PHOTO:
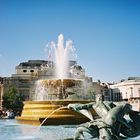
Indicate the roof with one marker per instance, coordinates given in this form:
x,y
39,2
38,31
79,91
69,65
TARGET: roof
x,y
33,63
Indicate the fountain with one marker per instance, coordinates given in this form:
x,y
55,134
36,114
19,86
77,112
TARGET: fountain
x,y
52,94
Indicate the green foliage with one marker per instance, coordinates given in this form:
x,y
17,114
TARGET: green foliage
x,y
12,100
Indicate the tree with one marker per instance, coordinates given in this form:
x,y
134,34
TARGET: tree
x,y
12,100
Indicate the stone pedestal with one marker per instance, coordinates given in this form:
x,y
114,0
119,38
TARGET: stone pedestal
x,y
34,112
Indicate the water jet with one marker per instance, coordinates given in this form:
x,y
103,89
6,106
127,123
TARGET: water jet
x,y
52,94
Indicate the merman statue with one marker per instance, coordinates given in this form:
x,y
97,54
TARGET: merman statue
x,y
111,123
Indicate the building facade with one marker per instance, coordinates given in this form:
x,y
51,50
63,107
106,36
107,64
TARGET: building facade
x,y
27,73
128,90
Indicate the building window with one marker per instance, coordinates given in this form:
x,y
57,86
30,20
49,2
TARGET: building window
x,y
24,70
31,70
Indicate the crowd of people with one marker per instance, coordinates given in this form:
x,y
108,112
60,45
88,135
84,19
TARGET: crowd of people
x,y
7,114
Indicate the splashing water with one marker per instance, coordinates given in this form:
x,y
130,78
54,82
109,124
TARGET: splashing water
x,y
61,54
83,111
63,107
40,91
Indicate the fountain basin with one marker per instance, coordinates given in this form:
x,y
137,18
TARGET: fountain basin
x,y
34,112
53,89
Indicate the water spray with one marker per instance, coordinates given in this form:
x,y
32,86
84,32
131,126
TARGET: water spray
x,y
63,107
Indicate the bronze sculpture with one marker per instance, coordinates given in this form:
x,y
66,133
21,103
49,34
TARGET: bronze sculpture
x,y
110,124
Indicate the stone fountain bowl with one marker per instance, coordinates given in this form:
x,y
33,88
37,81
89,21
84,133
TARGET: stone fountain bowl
x,y
35,112
59,82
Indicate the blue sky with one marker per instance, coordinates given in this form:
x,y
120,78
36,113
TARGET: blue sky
x,y
105,33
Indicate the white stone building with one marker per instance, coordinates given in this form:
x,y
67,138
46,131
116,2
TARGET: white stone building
x,y
129,90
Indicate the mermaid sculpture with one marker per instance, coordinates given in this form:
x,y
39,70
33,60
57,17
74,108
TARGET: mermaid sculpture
x,y
110,124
